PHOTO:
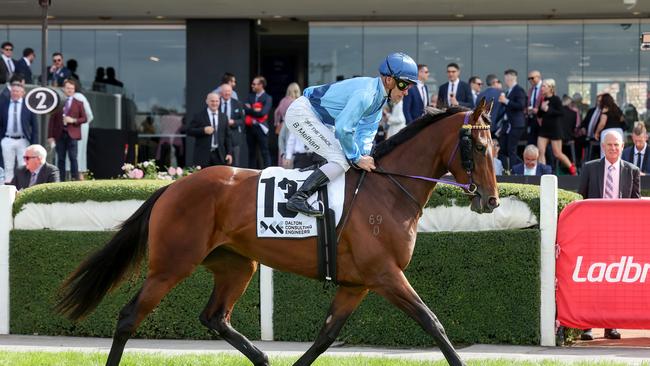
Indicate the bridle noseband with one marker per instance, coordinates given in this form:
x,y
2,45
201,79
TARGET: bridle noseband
x,y
464,144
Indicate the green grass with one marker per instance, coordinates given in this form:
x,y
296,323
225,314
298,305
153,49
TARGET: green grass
x,y
140,359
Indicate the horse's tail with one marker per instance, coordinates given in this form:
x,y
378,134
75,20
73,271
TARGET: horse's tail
x,y
107,267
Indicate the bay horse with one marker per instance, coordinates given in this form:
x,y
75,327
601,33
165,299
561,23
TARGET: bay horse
x,y
209,219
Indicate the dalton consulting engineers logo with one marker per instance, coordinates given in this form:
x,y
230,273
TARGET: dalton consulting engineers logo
x,y
274,227
625,270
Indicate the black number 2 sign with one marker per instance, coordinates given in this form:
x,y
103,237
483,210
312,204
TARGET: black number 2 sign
x,y
288,186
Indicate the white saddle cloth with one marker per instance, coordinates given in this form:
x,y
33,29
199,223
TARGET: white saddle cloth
x,y
275,187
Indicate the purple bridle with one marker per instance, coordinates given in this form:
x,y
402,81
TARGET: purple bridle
x,y
469,187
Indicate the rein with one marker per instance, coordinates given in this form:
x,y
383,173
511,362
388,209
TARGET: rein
x,y
465,139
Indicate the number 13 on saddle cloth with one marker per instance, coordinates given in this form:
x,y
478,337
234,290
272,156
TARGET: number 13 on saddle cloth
x,y
274,188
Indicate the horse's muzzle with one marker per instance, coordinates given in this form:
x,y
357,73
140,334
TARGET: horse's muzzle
x,y
480,205
492,203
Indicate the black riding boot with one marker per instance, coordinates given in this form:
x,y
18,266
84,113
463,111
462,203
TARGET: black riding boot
x,y
298,202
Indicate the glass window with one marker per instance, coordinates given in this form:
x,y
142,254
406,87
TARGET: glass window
x,y
335,52
23,37
107,49
555,51
644,79
611,59
496,48
440,45
381,40
152,68
79,45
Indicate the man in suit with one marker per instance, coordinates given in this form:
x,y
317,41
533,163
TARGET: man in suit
x,y
24,65
7,66
491,95
213,141
455,92
230,79
257,108
58,73
611,178
64,130
638,153
234,112
535,97
36,170
475,84
18,128
588,128
531,166
513,101
418,97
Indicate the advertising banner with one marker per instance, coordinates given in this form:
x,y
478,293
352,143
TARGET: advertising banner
x,y
603,260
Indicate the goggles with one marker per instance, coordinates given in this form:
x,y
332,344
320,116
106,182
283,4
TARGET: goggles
x,y
402,84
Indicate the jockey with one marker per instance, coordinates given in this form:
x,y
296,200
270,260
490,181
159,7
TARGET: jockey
x,y
339,121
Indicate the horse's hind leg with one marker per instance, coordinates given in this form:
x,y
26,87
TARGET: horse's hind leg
x,y
232,273
155,287
399,292
345,302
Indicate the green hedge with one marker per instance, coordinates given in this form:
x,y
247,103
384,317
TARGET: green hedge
x,y
40,260
90,190
115,190
483,286
447,195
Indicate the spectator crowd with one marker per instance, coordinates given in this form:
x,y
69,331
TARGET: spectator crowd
x,y
535,131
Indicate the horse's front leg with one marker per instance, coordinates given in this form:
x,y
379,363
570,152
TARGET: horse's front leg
x,y
345,301
399,292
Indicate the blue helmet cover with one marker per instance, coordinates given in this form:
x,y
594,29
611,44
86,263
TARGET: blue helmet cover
x,y
401,66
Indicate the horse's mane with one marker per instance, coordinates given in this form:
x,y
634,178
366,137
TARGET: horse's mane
x,y
431,115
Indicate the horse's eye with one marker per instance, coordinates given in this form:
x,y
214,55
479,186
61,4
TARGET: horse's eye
x,y
480,148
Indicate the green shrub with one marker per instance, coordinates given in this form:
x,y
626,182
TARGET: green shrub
x,y
116,190
446,195
40,260
90,190
483,286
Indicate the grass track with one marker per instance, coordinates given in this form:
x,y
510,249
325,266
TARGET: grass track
x,y
141,359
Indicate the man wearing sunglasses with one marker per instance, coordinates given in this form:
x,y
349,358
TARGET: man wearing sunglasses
x,y
7,67
58,73
339,121
36,170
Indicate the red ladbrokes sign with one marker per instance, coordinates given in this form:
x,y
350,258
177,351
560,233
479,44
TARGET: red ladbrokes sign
x,y
603,264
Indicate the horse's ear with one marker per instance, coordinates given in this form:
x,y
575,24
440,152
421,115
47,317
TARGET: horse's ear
x,y
479,110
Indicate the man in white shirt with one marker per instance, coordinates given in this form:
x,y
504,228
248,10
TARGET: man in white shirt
x,y
535,98
609,178
638,153
475,84
414,103
24,65
455,92
531,166
7,67
18,129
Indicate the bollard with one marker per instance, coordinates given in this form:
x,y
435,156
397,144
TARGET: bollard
x,y
266,303
7,196
548,229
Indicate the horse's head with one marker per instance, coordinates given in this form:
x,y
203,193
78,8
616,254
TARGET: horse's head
x,y
471,162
